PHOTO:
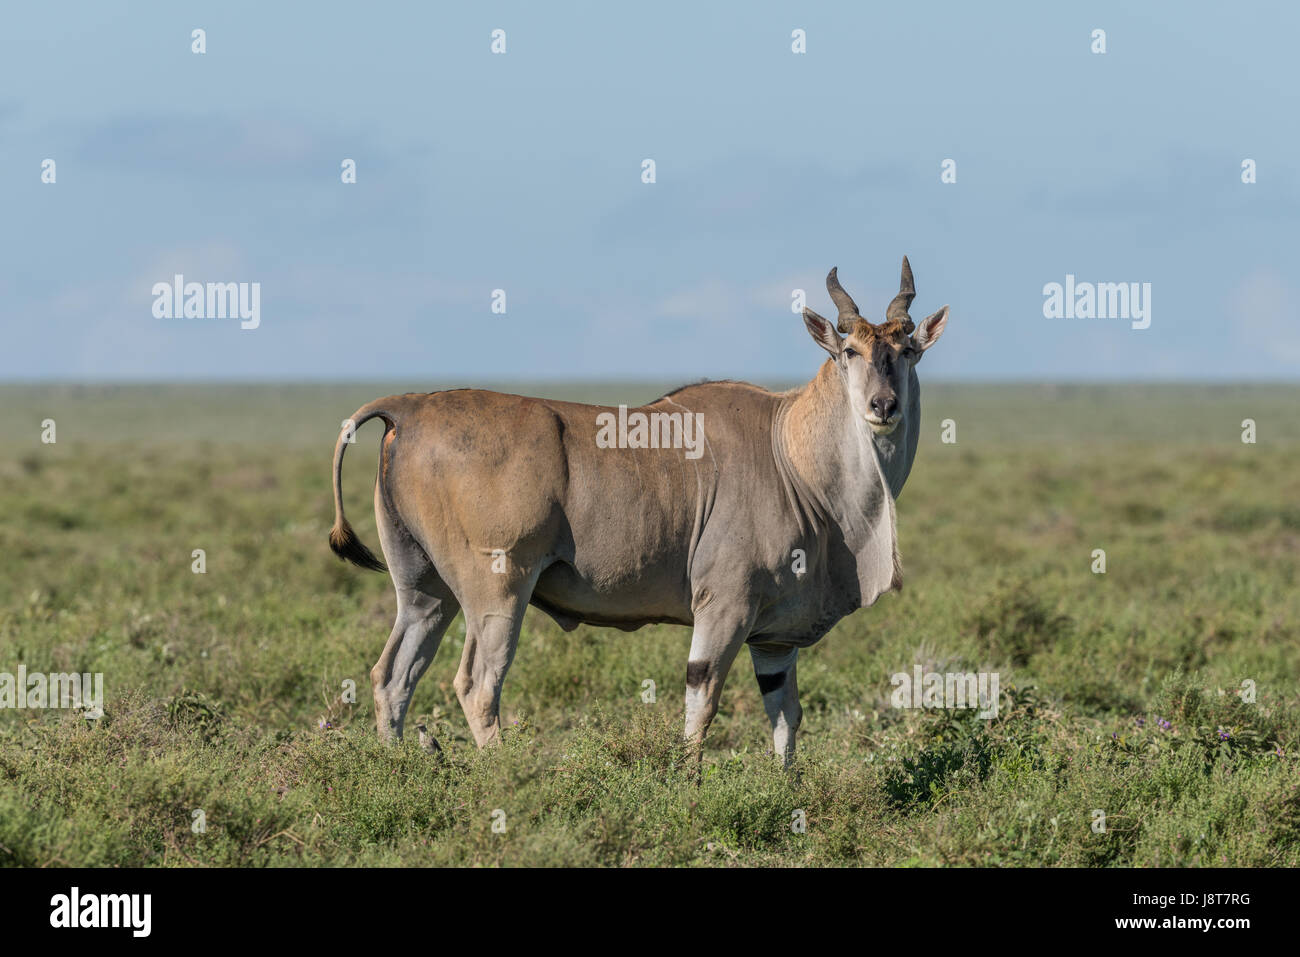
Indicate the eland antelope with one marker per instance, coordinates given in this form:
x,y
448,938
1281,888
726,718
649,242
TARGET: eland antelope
x,y
779,526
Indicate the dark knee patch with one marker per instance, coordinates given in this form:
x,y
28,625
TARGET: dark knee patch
x,y
696,672
769,683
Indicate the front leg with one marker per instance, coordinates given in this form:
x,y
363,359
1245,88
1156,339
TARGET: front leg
x,y
774,667
714,643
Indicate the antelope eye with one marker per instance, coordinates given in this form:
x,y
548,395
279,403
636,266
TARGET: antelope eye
x,y
849,353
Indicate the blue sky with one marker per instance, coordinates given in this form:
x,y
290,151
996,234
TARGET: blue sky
x,y
523,172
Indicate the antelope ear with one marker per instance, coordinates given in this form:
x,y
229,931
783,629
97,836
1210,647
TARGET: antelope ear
x,y
930,329
823,333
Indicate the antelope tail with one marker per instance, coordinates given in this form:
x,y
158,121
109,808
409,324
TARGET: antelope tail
x,y
343,540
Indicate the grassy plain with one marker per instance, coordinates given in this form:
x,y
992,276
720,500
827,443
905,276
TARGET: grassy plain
x,y
1120,691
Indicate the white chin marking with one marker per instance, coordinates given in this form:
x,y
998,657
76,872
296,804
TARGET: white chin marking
x,y
883,428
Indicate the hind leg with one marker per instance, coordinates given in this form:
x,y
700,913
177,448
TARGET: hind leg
x,y
425,607
492,625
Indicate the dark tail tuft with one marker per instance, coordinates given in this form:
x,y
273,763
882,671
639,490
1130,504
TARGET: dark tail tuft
x,y
346,545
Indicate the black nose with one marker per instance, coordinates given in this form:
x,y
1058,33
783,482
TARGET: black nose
x,y
884,406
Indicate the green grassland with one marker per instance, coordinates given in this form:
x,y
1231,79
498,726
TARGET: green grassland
x,y
223,690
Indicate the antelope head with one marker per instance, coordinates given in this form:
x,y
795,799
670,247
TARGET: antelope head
x,y
875,360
